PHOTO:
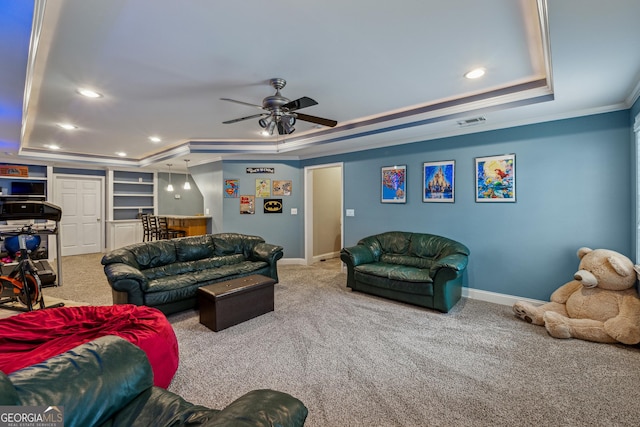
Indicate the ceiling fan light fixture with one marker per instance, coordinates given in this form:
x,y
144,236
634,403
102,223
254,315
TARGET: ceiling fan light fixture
x,y
272,126
265,122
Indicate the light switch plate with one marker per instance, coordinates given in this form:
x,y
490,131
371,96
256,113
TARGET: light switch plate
x,y
351,212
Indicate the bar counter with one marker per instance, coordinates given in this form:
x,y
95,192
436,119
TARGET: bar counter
x,y
193,225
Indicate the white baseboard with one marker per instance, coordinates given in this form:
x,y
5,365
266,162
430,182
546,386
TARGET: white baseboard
x,y
495,297
477,294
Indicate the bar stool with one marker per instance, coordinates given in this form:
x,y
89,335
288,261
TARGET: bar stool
x,y
164,232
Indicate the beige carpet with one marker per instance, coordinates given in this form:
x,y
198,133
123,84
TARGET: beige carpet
x,y
357,360
83,282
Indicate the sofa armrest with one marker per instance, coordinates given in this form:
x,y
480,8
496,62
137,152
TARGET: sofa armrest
x,y
92,381
127,279
267,252
262,408
457,262
356,255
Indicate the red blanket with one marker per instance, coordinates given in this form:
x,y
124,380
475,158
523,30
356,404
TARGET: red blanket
x,y
33,337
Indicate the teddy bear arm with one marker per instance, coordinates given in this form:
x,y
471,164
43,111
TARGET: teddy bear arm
x,y
625,327
562,294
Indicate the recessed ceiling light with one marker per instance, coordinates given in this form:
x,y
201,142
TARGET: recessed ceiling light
x,y
155,139
89,93
475,73
52,146
67,126
121,154
264,132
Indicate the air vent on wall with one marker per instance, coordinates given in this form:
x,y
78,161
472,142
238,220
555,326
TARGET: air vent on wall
x,y
471,122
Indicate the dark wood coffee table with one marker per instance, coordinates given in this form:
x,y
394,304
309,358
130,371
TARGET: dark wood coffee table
x,y
228,303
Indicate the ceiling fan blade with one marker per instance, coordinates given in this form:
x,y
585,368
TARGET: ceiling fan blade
x,y
241,102
299,103
244,118
318,120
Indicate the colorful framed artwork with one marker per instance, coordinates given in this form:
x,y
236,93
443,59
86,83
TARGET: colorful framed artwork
x,y
438,181
231,188
247,205
263,187
394,184
496,178
281,187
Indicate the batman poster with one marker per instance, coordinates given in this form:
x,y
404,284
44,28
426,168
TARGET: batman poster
x,y
272,205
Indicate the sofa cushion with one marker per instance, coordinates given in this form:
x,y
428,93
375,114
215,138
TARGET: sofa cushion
x,y
395,272
411,261
161,252
234,243
178,281
193,248
191,266
393,285
396,242
436,247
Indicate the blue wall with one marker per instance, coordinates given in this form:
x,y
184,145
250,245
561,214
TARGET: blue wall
x,y
573,189
282,229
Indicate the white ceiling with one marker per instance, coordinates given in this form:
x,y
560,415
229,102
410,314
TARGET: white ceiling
x,y
388,72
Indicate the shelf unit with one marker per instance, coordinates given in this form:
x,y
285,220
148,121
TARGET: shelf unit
x,y
131,193
36,173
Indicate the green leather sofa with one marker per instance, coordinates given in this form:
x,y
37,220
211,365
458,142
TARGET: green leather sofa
x,y
166,274
108,382
416,268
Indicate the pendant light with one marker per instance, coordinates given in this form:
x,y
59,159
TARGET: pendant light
x,y
187,185
170,186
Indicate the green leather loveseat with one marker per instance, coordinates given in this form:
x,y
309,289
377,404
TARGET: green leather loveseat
x,y
166,274
416,268
108,382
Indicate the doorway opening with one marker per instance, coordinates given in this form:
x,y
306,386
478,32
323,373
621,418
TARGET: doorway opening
x,y
323,201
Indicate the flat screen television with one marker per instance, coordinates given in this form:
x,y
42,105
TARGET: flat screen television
x,y
26,188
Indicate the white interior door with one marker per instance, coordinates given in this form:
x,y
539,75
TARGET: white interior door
x,y
81,226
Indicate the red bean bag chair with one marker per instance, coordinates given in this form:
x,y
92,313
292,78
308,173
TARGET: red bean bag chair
x,y
32,337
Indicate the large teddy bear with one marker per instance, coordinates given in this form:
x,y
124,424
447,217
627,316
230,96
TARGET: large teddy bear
x,y
601,304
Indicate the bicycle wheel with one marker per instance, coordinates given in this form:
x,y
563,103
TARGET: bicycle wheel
x,y
34,292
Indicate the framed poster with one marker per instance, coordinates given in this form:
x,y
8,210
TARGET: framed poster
x,y
272,206
247,205
438,181
281,187
263,187
231,188
394,184
496,178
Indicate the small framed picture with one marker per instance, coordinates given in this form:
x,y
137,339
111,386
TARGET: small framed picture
x,y
231,188
281,187
263,187
438,181
394,184
247,204
496,178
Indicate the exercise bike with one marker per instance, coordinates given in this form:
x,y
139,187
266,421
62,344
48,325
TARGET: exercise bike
x,y
23,283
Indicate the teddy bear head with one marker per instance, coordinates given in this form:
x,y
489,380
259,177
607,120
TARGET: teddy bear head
x,y
606,269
